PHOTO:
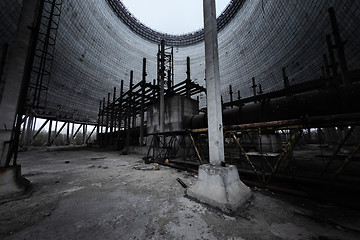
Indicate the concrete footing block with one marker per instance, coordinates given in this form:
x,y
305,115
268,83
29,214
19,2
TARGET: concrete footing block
x,y
12,183
220,187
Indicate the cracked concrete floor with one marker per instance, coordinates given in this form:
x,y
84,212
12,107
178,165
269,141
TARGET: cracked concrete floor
x,y
92,194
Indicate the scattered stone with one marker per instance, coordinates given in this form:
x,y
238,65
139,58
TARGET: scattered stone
x,y
147,167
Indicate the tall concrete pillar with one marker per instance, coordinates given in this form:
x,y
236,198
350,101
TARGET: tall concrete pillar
x,y
212,75
14,74
217,185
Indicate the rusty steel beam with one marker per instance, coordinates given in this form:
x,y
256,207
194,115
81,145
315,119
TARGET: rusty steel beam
x,y
312,122
348,134
247,157
197,151
312,104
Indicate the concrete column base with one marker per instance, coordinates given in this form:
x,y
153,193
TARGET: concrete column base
x,y
220,187
12,183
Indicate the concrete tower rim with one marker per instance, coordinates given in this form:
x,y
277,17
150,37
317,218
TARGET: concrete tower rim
x,y
181,40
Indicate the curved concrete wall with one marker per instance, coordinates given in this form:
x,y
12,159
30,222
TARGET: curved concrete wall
x,y
95,50
9,20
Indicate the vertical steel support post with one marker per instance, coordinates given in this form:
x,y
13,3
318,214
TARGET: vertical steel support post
x,y
142,103
239,98
23,133
56,125
286,81
331,55
84,133
120,111
162,78
188,77
327,69
172,66
254,89
98,124
129,111
49,133
68,134
154,90
29,131
231,96
339,46
72,132
102,123
107,120
169,82
112,113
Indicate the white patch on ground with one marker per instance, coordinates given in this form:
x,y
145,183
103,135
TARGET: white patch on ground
x,y
96,184
190,225
70,190
289,231
228,218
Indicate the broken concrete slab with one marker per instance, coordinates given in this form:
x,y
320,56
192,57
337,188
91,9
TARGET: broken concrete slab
x,y
220,187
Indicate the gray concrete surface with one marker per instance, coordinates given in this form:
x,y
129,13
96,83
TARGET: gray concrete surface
x,y
177,108
9,184
83,194
220,187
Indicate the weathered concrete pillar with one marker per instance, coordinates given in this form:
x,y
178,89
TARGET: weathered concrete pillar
x,y
212,75
13,75
15,72
217,185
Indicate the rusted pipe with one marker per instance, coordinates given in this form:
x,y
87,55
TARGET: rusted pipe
x,y
316,104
